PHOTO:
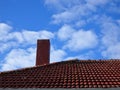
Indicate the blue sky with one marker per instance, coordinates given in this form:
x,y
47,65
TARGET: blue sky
x,y
83,29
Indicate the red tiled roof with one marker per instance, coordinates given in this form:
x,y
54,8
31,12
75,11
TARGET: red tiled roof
x,y
66,74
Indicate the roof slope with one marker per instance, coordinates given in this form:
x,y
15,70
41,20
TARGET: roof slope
x,y
66,74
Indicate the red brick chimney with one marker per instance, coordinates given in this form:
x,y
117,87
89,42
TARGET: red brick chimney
x,y
43,52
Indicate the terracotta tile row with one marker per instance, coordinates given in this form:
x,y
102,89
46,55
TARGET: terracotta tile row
x,y
66,74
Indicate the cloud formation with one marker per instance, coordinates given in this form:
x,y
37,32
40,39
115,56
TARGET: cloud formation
x,y
81,40
18,58
103,25
57,54
69,11
65,32
10,38
21,47
110,39
85,29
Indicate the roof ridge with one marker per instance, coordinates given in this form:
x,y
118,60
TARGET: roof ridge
x,y
71,60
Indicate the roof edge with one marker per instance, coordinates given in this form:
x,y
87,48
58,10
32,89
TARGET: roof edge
x,y
77,60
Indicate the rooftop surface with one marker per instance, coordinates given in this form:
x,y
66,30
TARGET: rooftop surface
x,y
65,74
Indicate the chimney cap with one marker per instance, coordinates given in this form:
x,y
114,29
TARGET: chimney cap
x,y
43,39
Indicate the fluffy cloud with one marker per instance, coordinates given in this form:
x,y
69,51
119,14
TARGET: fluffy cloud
x,y
98,2
65,32
77,39
79,18
112,51
57,54
61,5
20,46
80,23
82,40
83,56
110,37
10,38
42,34
25,36
3,47
73,14
4,29
111,33
69,11
19,58
6,46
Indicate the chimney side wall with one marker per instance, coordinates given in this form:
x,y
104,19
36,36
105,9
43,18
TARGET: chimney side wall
x,y
43,52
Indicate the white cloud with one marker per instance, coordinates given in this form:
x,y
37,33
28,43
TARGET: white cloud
x,y
13,36
54,3
61,5
65,32
3,47
83,56
18,36
32,36
97,2
118,21
24,35
114,7
12,39
6,46
69,10
112,51
19,58
65,4
19,45
29,36
80,23
110,37
110,31
4,30
82,40
77,39
57,54
63,17
72,14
